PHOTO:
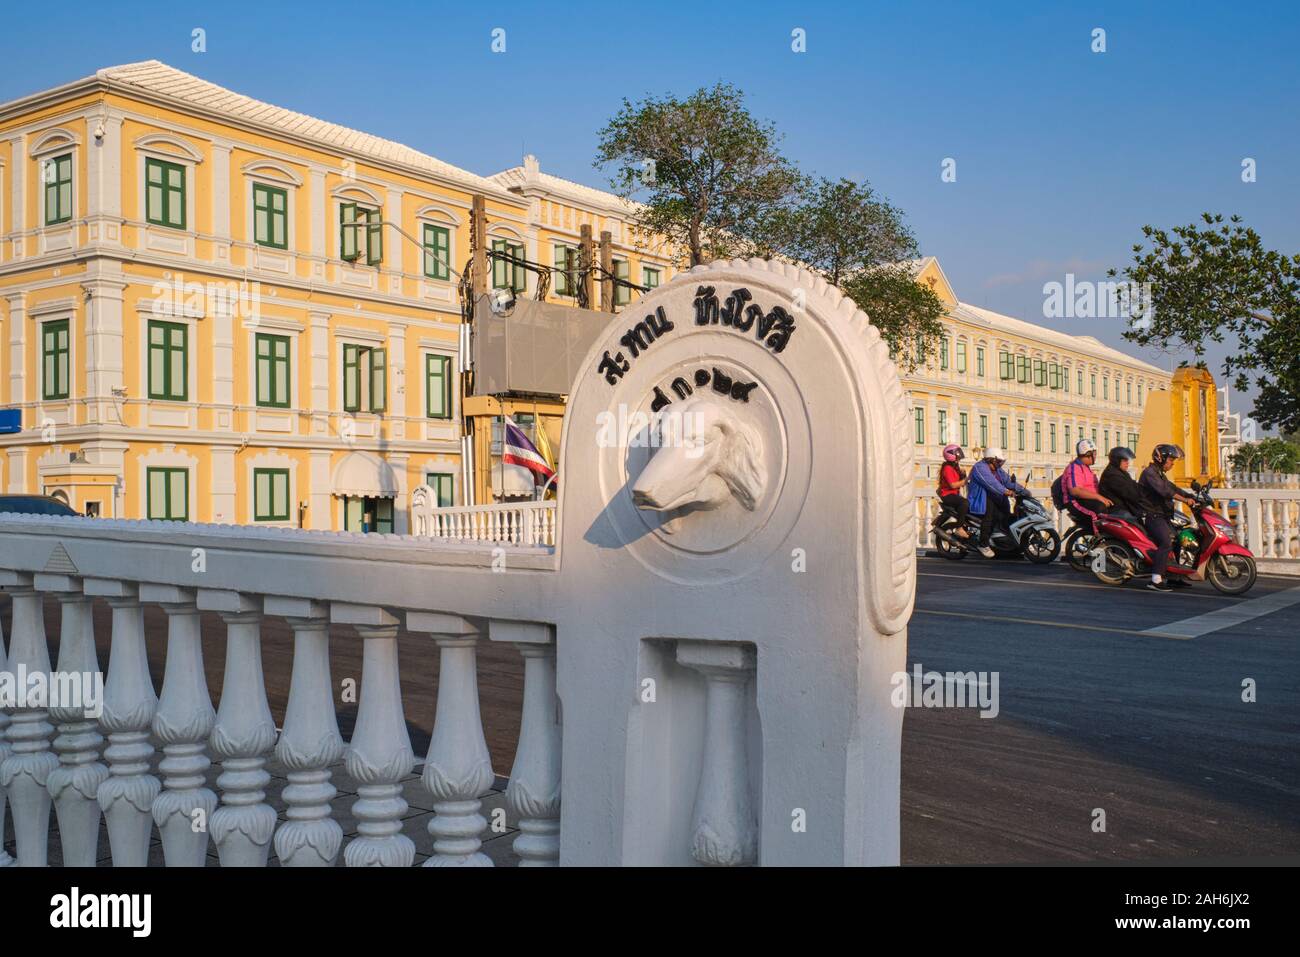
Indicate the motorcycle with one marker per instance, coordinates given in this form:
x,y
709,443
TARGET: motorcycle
x,y
1030,533
1079,543
1203,549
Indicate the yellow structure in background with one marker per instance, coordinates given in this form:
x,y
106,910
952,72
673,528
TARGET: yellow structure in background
x,y
1186,416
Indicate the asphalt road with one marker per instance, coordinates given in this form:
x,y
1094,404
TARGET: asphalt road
x,y
1096,714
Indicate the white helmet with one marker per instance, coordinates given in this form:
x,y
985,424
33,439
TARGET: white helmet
x,y
993,452
1085,446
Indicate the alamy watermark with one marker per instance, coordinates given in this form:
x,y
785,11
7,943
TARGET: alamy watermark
x,y
946,689
1086,299
66,690
626,428
194,300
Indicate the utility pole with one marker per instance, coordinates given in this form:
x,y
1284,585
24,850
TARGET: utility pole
x,y
607,265
584,262
478,225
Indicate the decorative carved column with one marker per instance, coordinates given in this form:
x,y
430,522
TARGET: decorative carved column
x,y
27,767
127,795
242,826
184,809
74,784
723,827
379,755
533,795
458,768
310,741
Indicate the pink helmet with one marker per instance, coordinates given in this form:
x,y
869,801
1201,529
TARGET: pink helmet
x,y
952,452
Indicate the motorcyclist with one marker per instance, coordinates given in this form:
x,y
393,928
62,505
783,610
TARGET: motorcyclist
x,y
1079,486
990,488
1117,484
1160,497
952,478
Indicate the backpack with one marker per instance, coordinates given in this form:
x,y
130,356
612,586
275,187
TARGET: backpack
x,y
1058,492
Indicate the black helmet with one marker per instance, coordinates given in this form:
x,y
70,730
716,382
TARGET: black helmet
x,y
1163,453
1119,453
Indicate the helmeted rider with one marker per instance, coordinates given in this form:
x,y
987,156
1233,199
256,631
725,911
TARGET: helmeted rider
x,y
990,487
1079,486
1118,485
1160,496
952,479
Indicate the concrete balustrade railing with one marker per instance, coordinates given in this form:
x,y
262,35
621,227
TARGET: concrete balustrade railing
x,y
692,694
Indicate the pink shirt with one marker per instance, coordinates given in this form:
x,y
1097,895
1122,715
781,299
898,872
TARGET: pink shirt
x,y
1078,475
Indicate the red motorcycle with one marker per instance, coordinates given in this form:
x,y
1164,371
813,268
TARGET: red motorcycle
x,y
1205,551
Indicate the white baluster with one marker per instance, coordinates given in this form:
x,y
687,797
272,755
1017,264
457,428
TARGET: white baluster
x,y
6,859
310,741
74,784
183,810
27,767
128,794
243,734
379,755
533,794
458,767
723,827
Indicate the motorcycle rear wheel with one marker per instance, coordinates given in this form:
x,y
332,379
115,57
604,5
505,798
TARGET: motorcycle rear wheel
x,y
1118,560
1078,548
1231,574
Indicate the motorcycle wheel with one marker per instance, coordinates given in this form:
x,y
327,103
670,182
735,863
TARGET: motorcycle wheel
x,y
1078,549
1041,546
1117,561
948,550
1231,574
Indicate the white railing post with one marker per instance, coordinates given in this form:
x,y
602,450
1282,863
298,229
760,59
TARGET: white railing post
x,y
130,701
74,784
379,755
183,722
310,741
724,830
533,794
243,734
458,767
26,769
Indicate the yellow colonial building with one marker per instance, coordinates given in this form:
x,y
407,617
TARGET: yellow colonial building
x,y
219,310
1033,391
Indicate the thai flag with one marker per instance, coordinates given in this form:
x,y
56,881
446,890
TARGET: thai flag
x,y
517,450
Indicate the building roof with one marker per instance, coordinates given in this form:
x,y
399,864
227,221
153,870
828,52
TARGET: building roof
x,y
158,81
1028,330
530,174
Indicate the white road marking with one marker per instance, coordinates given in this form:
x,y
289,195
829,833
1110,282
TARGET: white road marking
x,y
1153,633
1227,617
1054,583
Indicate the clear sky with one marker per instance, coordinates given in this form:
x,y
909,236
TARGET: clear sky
x,y
1061,153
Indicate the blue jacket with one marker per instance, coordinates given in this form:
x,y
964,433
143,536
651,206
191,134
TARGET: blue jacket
x,y
986,481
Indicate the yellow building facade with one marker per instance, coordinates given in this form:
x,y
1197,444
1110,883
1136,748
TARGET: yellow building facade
x,y
218,310
1034,392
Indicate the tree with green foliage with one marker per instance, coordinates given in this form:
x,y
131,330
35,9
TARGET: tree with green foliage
x,y
856,240
1267,455
1213,280
704,171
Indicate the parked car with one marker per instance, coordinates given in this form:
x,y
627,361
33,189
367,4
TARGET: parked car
x,y
35,505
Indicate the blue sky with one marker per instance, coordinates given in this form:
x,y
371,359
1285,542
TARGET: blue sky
x,y
1062,154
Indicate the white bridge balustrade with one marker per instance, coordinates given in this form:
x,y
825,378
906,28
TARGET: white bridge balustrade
x,y
709,631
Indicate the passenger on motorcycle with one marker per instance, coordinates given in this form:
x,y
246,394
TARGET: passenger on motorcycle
x,y
1118,485
1079,485
1160,496
990,487
952,478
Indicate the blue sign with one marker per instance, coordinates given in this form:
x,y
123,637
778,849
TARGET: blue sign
x,y
11,420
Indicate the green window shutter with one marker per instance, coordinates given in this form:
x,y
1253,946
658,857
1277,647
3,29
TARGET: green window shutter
x,y
167,494
351,378
943,353
499,274
56,174
164,193
374,238
383,512
649,277
270,495
378,380
622,294
443,486
1006,368
168,360
437,386
979,361
961,356
964,427
55,354
272,370
518,281
437,251
348,249
270,216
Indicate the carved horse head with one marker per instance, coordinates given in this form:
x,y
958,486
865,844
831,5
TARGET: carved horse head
x,y
707,456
